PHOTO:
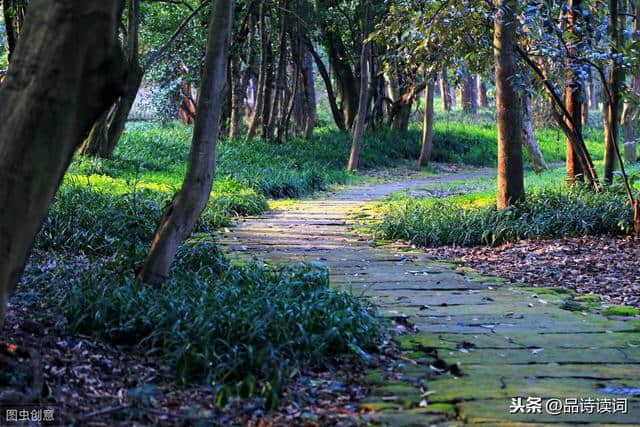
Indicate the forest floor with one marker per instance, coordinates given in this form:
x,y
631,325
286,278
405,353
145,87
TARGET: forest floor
x,y
468,343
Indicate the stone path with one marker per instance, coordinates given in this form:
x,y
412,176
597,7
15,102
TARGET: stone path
x,y
480,342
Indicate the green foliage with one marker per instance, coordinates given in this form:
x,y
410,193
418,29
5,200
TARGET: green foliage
x,y
245,329
546,213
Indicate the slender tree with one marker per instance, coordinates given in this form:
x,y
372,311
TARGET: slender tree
x,y
65,72
573,96
510,171
445,91
615,85
427,125
184,211
358,133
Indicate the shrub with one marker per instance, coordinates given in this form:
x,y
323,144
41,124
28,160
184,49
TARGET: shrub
x,y
237,326
546,213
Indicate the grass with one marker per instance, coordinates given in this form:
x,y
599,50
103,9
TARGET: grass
x,y
459,139
245,330
550,210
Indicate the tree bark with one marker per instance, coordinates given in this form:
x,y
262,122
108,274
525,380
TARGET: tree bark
x,y
103,139
573,100
182,214
529,139
427,126
470,95
66,71
309,98
363,102
510,171
338,118
237,99
483,101
277,112
630,109
613,106
262,76
445,91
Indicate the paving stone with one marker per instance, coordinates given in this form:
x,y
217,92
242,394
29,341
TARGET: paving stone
x,y
481,341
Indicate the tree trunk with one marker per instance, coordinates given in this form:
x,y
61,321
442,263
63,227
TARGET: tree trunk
x,y
470,96
529,139
309,98
338,118
613,106
262,76
237,99
14,14
629,130
593,93
363,102
573,101
182,214
65,73
630,109
427,126
483,101
585,105
344,76
103,139
445,91
510,171
280,83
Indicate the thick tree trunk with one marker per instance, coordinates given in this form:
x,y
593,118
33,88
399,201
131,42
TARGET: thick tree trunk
x,y
470,96
66,71
529,138
427,126
363,102
107,131
182,214
483,101
445,91
344,76
613,106
309,98
510,171
573,101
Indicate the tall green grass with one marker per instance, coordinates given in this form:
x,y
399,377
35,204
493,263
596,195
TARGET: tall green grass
x,y
472,220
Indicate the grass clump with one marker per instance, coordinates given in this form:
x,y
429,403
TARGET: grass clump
x,y
245,329
546,213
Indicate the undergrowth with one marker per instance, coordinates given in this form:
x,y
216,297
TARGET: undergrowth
x,y
245,330
546,213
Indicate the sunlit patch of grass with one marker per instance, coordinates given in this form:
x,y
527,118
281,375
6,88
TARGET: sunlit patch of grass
x,y
472,219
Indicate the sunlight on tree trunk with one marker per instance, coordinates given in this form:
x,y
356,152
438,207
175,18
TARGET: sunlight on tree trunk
x,y
184,211
510,171
66,71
